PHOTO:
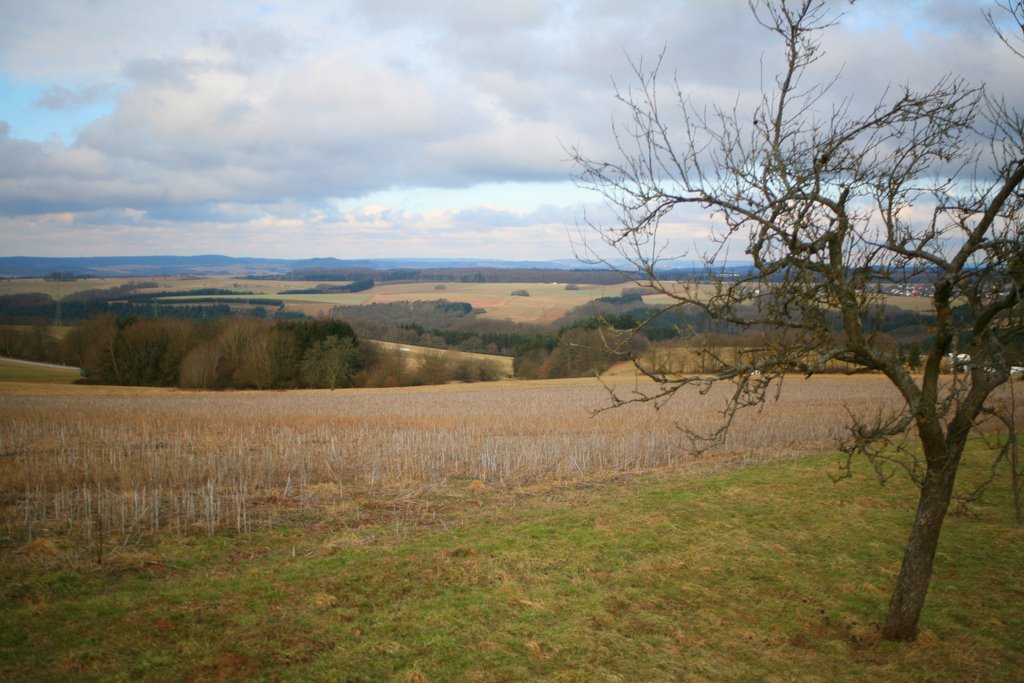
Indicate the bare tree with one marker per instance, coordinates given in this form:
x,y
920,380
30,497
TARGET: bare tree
x,y
833,206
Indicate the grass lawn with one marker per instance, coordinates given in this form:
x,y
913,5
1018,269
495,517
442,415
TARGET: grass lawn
x,y
768,573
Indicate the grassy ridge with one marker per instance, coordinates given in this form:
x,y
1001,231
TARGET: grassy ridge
x,y
767,573
15,371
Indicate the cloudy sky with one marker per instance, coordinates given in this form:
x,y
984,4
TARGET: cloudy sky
x,y
378,128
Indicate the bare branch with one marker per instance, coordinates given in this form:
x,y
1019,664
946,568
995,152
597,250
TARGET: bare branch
x,y
925,187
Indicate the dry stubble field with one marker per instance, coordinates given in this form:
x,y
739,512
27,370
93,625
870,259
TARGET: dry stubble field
x,y
478,532
131,462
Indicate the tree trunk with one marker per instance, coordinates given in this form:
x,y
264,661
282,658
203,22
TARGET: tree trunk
x,y
1015,479
916,571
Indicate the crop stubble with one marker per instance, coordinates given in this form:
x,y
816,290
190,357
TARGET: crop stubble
x,y
129,463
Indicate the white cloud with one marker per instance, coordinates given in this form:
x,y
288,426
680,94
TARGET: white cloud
x,y
234,116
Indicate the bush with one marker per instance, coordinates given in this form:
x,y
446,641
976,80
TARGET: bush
x,y
470,370
520,292
434,368
330,363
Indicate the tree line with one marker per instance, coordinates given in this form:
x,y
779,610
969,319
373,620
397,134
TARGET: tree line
x,y
124,302
233,353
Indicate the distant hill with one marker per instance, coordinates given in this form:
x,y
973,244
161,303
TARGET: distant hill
x,y
213,264
138,266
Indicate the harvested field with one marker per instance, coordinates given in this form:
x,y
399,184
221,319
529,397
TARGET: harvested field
x,y
475,532
133,462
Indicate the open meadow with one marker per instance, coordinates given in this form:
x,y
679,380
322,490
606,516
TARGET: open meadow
x,y
473,532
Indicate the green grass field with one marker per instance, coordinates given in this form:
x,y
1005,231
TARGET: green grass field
x,y
770,573
14,371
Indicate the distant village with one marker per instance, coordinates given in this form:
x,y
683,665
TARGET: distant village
x,y
910,289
